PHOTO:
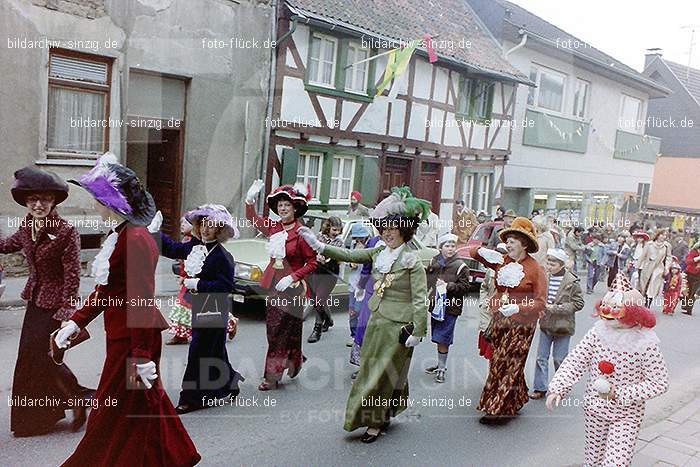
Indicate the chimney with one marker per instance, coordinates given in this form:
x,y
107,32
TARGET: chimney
x,y
651,55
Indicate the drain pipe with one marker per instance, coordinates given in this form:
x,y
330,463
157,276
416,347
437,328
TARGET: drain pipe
x,y
521,32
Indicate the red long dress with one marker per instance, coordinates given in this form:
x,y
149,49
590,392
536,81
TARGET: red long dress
x,y
284,315
131,426
505,391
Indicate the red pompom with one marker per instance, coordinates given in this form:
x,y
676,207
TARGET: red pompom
x,y
606,367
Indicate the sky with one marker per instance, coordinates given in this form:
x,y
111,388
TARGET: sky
x,y
624,29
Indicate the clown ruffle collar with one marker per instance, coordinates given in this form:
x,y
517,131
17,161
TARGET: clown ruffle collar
x,y
622,339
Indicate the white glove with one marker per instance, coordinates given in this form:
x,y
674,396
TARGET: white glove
x,y
253,191
147,373
67,331
412,341
155,224
492,256
310,237
190,283
509,310
359,294
284,283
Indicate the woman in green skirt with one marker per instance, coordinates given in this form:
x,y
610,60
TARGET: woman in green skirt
x,y
381,388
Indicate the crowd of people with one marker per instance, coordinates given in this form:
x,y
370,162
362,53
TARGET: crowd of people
x,y
394,302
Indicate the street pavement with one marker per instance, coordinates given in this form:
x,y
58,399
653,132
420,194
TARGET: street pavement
x,y
301,423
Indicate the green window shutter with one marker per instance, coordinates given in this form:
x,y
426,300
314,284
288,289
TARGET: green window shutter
x,y
367,180
341,61
326,177
290,164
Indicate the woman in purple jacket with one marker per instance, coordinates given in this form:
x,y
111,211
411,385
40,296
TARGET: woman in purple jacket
x,y
52,249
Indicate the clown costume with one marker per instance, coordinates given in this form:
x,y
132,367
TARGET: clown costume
x,y
622,340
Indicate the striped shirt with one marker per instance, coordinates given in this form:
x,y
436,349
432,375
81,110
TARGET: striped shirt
x,y
553,287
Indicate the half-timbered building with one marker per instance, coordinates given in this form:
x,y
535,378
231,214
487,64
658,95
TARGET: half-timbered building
x,y
444,129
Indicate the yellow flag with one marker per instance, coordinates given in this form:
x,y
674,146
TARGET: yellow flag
x,y
396,64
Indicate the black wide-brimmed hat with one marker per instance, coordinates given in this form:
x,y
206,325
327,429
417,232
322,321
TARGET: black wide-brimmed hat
x,y
118,188
298,194
30,180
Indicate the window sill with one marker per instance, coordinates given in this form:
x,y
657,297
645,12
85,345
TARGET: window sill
x,y
67,161
337,93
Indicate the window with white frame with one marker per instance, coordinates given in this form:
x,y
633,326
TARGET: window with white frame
x,y
78,103
581,97
482,195
630,114
342,177
322,60
549,93
309,172
474,99
468,190
356,75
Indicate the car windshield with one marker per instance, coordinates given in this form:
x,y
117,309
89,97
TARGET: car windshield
x,y
482,232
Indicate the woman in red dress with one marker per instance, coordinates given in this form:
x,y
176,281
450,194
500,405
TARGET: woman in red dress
x,y
134,422
520,297
291,260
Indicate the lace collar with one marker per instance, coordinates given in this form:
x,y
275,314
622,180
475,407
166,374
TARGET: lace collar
x,y
100,265
195,260
386,258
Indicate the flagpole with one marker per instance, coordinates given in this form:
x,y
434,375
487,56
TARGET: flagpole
x,y
381,54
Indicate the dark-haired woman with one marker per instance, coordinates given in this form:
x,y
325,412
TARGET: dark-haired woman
x,y
291,261
323,280
52,249
381,388
520,297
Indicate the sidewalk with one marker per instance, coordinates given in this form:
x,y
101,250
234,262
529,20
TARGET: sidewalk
x,y
166,285
674,440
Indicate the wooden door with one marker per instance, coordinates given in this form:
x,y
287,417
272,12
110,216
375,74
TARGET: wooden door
x,y
397,172
428,184
164,176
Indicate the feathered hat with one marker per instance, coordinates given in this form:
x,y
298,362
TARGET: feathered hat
x,y
401,206
626,304
299,195
218,214
118,188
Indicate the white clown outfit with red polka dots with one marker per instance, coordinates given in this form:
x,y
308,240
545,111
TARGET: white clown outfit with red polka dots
x,y
639,374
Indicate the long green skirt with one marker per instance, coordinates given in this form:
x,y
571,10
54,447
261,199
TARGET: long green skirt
x,y
381,388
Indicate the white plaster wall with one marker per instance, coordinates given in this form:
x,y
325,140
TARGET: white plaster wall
x,y
296,103
596,170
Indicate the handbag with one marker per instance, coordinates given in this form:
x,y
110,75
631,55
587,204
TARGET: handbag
x,y
406,331
57,353
211,309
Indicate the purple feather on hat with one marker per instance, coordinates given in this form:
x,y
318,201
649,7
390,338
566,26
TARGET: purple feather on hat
x,y
102,183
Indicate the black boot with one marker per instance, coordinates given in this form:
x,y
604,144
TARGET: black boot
x,y
327,322
315,334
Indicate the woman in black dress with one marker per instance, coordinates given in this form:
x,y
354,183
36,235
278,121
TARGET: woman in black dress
x,y
43,390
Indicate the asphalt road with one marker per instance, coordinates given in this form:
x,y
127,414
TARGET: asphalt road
x,y
301,423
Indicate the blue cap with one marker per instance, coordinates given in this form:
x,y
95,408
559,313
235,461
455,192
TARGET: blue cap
x,y
359,230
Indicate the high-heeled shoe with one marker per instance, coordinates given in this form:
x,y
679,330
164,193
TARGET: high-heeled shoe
x,y
266,385
368,437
